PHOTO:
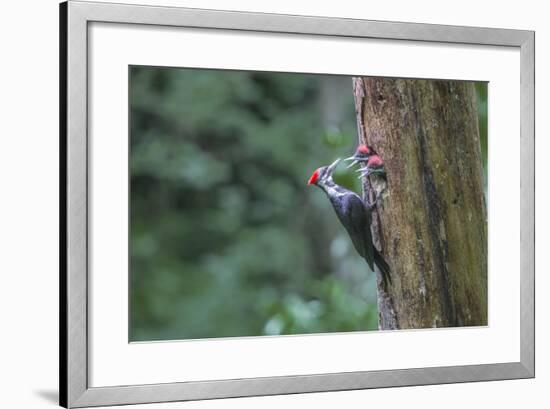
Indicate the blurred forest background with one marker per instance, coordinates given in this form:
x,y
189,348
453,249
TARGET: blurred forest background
x,y
226,238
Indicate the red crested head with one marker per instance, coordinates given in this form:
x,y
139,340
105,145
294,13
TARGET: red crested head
x,y
363,149
323,174
313,179
375,161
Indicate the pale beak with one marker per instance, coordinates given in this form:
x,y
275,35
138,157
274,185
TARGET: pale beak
x,y
355,160
364,172
333,166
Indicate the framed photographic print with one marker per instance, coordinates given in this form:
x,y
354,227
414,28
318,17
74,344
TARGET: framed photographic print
x,y
258,204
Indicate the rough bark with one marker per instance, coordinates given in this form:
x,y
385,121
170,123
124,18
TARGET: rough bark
x,y
431,224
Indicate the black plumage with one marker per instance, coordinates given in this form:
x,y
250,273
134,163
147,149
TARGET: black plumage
x,y
354,215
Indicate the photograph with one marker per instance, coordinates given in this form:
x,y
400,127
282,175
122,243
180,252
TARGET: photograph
x,y
272,203
280,204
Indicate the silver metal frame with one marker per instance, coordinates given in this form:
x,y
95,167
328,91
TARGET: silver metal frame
x,y
74,388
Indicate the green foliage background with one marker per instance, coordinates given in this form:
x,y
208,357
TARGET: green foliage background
x,y
226,237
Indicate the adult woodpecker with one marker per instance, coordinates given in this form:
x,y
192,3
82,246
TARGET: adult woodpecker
x,y
354,215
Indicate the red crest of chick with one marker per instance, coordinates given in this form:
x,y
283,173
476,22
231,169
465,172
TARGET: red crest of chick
x,y
375,161
363,149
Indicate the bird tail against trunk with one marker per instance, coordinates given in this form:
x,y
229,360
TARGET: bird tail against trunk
x,y
382,266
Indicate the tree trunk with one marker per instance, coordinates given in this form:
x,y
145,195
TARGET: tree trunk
x,y
431,222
